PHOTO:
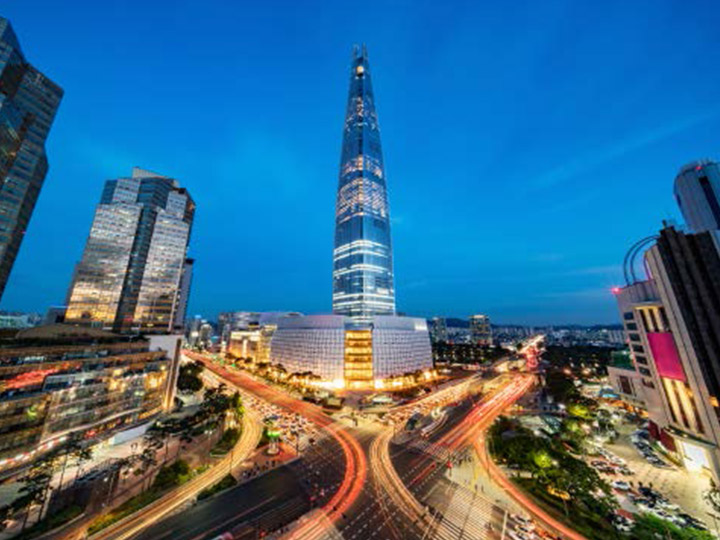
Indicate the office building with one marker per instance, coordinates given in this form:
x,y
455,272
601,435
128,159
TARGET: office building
x,y
28,103
438,330
343,354
697,192
363,283
130,277
60,380
480,330
183,296
251,334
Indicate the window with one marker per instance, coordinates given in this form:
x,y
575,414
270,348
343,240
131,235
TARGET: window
x,y
711,199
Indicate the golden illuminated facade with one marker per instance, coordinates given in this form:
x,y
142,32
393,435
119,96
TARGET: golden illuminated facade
x,y
131,274
358,359
60,380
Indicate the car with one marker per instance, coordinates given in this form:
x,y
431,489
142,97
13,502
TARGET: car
x,y
621,485
527,523
622,524
686,520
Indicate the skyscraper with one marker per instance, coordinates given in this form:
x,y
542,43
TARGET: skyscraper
x,y
697,191
129,278
364,345
362,259
438,330
480,330
28,103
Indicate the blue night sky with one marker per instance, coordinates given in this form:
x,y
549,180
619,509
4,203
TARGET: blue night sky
x,y
527,144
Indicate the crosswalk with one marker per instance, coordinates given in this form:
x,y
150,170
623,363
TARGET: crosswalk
x,y
465,516
437,451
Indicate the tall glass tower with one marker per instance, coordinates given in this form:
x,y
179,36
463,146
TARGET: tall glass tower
x,y
28,103
362,259
130,277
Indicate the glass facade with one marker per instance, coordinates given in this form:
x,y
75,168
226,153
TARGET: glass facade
x,y
362,259
28,103
131,274
58,379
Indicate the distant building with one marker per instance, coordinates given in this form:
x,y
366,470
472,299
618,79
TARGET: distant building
x,y
183,296
626,381
252,337
346,355
130,276
55,315
697,192
438,330
28,103
481,330
19,320
73,380
205,335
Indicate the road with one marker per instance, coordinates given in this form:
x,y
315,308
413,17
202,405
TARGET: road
x,y
413,478
156,511
248,511
355,464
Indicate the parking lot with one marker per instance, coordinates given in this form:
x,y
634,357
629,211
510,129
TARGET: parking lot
x,y
655,486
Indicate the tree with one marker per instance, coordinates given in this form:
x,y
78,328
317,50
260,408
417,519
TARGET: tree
x,y
189,380
649,527
36,483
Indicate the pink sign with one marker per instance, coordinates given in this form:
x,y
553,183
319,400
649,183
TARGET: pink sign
x,y
666,355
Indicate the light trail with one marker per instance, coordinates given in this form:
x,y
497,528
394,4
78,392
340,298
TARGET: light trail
x,y
152,513
481,415
355,462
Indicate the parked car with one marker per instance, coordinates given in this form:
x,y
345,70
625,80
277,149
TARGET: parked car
x,y
621,485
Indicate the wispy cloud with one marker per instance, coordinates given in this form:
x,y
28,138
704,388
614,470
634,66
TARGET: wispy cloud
x,y
590,161
580,294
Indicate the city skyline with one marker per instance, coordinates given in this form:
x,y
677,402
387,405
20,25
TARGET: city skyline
x,y
469,177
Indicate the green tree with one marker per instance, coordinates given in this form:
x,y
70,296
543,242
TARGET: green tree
x,y
189,380
649,527
36,483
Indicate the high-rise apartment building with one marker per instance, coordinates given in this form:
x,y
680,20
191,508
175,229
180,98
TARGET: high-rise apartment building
x,y
697,192
130,276
481,330
28,103
438,330
362,259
